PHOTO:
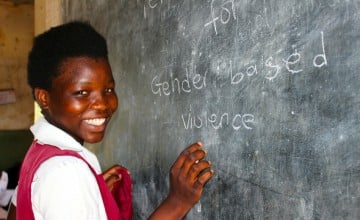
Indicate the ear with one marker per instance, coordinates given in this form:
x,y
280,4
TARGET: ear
x,y
42,98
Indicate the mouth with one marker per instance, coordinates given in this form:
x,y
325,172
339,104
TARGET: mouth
x,y
95,121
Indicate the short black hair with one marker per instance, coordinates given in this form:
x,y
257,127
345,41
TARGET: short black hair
x,y
50,49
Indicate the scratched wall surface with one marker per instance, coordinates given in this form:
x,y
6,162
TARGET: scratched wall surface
x,y
16,35
271,87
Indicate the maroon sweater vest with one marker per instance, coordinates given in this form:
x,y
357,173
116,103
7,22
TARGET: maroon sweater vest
x,y
118,202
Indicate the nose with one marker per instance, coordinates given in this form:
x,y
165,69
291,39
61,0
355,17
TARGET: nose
x,y
100,101
103,101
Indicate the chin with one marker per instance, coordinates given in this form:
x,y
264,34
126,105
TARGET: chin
x,y
94,139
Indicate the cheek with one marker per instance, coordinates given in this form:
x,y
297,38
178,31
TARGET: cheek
x,y
113,102
74,107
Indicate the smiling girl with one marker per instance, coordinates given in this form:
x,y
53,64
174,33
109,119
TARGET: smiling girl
x,y
72,82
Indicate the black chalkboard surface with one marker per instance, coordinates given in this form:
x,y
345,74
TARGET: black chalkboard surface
x,y
272,88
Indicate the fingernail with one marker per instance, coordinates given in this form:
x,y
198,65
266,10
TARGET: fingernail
x,y
199,143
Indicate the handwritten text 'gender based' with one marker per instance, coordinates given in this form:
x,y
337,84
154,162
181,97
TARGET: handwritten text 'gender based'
x,y
164,84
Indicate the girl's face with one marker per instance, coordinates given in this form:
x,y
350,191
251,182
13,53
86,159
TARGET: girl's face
x,y
82,98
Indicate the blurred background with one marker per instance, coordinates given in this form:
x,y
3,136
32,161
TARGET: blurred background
x,y
20,21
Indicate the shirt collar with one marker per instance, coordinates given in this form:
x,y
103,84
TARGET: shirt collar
x,y
47,133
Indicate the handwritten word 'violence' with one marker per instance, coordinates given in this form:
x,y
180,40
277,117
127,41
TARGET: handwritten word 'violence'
x,y
218,121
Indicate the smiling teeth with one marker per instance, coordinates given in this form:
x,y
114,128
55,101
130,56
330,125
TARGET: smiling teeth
x,y
95,121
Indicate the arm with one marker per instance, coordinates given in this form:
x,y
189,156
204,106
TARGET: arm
x,y
12,207
188,175
11,212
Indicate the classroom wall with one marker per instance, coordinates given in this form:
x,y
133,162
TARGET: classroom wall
x,y
16,34
47,15
20,21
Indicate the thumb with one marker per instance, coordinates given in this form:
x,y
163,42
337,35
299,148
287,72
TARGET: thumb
x,y
112,179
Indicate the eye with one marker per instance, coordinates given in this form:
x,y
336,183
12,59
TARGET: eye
x,y
81,93
109,90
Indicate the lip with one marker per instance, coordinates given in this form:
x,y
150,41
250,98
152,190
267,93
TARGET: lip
x,y
97,124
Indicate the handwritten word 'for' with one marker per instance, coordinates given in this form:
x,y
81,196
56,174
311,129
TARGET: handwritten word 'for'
x,y
218,121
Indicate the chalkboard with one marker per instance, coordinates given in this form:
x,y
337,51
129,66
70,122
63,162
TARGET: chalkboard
x,y
272,88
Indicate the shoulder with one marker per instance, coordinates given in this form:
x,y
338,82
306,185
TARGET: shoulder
x,y
62,167
65,183
70,176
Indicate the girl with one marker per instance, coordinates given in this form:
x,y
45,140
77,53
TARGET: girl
x,y
71,80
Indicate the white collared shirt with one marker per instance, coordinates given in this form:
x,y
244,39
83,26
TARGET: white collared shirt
x,y
64,187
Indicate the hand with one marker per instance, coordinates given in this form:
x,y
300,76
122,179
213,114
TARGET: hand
x,y
111,175
188,175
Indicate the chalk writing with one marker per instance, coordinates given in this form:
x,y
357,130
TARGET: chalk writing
x,y
272,69
154,3
270,75
322,56
236,78
229,71
269,69
227,12
217,121
151,4
224,11
176,85
292,60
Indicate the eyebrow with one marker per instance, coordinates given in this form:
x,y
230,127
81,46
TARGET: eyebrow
x,y
88,82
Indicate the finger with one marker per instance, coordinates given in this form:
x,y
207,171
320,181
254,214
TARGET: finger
x,y
111,171
193,158
111,180
113,176
114,170
203,179
183,156
199,167
107,174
